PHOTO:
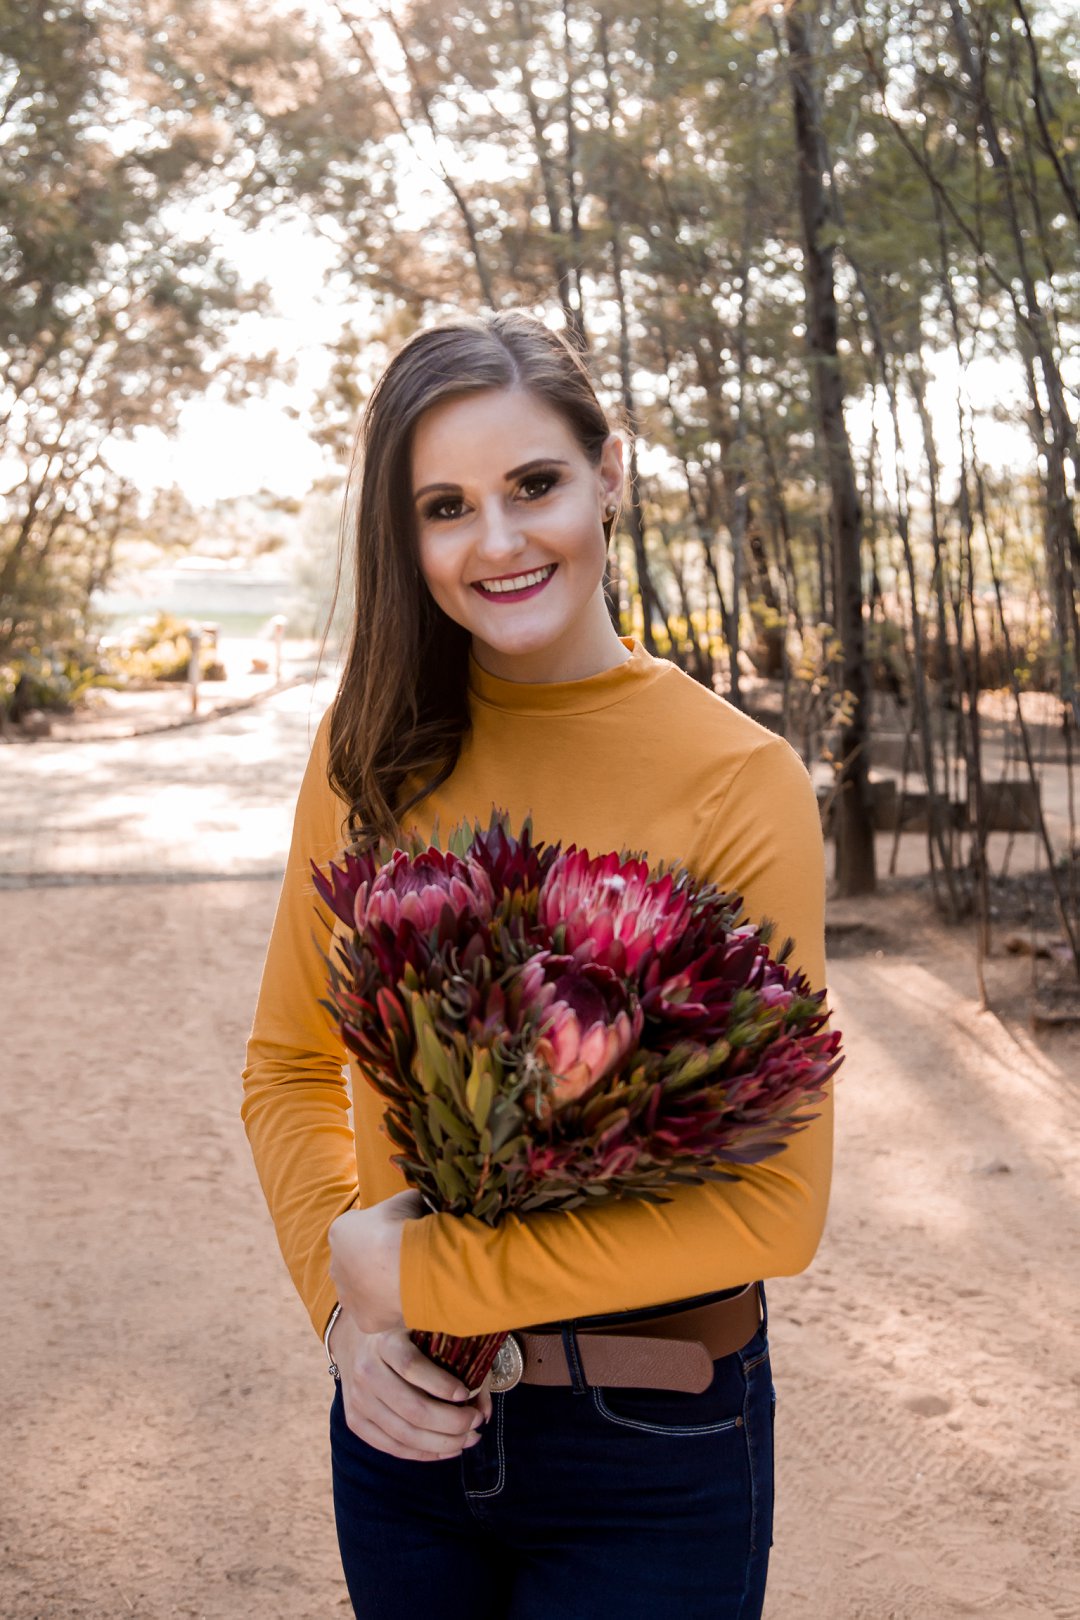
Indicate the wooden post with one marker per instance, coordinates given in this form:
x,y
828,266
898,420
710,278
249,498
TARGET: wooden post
x,y
195,638
277,626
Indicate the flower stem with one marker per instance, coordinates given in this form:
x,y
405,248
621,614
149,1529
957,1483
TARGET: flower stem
x,y
469,1358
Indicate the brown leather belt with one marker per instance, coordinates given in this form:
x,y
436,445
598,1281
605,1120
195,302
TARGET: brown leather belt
x,y
662,1352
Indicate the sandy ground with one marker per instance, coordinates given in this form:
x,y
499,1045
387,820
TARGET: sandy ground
x,y
165,1401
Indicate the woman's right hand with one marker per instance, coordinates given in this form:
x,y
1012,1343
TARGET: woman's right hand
x,y
398,1400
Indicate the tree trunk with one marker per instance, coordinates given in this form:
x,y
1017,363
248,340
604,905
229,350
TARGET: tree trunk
x,y
651,605
1059,446
854,823
565,274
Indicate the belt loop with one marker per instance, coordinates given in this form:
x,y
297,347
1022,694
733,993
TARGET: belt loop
x,y
764,1308
570,1346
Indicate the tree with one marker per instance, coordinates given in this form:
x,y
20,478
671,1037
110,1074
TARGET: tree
x,y
855,841
110,316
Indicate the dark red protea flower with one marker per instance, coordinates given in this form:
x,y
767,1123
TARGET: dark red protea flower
x,y
688,985
338,885
514,865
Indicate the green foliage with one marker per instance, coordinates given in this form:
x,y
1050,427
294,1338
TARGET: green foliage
x,y
663,224
114,307
44,679
161,651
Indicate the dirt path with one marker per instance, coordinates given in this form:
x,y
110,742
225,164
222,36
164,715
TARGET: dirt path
x,y
928,1362
162,1386
165,1403
202,801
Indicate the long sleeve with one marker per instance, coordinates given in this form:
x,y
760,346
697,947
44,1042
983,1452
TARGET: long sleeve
x,y
764,840
296,1103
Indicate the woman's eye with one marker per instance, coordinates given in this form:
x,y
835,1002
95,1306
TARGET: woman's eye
x,y
544,479
537,483
435,510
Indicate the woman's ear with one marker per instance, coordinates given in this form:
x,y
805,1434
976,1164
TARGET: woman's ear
x,y
612,476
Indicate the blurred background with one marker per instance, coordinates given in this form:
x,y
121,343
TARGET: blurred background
x,y
823,264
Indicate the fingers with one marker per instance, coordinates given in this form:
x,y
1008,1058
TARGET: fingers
x,y
386,1411
385,1439
484,1404
409,1361
400,1401
404,1384
405,1437
404,1206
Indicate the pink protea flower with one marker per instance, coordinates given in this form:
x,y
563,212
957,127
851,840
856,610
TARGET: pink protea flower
x,y
418,890
775,993
588,1030
612,912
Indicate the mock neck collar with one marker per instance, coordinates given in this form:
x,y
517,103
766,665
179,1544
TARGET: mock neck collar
x,y
566,697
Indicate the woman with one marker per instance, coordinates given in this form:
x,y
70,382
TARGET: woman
x,y
484,670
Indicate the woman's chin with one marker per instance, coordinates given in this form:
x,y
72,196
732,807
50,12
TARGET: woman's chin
x,y
521,638
520,652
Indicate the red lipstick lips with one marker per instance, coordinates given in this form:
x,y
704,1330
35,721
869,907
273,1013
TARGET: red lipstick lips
x,y
516,596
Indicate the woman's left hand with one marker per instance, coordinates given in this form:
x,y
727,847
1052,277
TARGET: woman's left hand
x,y
365,1260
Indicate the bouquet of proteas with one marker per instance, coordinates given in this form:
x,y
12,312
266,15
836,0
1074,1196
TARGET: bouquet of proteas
x,y
550,1028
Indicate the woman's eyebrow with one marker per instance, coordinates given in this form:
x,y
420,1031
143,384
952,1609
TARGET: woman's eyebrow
x,y
515,472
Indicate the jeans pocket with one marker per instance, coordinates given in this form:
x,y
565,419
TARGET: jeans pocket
x,y
717,1409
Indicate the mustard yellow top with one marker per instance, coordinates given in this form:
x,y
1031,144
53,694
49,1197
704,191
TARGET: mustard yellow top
x,y
640,757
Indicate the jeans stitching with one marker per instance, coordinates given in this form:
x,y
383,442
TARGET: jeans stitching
x,y
497,1401
772,1448
753,1499
662,1428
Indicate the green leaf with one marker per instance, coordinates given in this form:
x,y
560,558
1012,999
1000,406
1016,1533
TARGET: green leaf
x,y
450,1183
438,1135
472,1084
439,1116
505,1121
424,1145
436,1066
397,1130
411,1168
480,1089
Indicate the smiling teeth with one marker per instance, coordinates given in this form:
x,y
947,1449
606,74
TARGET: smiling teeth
x,y
518,582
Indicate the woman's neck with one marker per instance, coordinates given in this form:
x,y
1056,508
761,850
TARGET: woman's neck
x,y
581,651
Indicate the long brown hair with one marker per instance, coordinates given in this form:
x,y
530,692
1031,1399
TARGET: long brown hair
x,y
401,712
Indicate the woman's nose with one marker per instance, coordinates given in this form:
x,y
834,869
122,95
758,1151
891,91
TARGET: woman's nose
x,y
500,532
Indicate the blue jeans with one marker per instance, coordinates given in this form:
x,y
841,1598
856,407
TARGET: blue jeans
x,y
578,1502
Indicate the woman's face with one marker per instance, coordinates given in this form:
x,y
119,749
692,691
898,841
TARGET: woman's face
x,y
502,489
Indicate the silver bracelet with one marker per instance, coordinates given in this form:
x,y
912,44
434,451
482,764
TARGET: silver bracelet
x,y
334,1314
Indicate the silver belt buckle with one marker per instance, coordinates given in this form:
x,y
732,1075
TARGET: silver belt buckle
x,y
508,1366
